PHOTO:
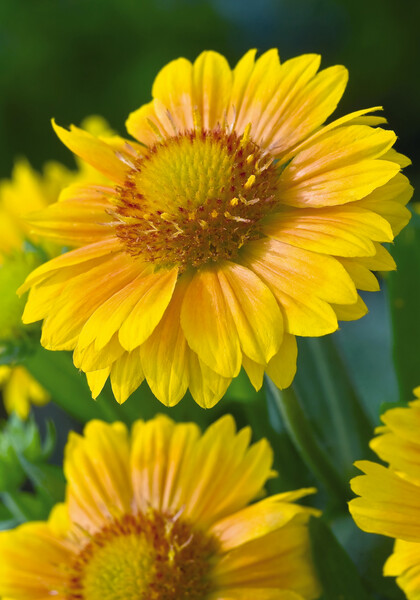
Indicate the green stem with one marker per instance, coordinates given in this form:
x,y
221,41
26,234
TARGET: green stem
x,y
301,433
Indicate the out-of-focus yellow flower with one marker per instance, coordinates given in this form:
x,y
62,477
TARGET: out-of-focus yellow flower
x,y
234,223
164,513
389,502
20,390
28,191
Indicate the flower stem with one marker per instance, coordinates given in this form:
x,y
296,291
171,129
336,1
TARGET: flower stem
x,y
302,435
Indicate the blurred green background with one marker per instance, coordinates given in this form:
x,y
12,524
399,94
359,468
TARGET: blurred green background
x,y
72,58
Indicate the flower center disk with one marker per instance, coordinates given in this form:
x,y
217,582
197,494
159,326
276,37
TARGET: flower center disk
x,y
196,198
143,557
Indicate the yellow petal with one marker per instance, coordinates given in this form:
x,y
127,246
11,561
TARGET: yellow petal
x,y
282,367
88,358
265,562
28,562
363,278
94,151
404,564
93,252
349,119
350,312
109,316
96,468
208,324
254,83
81,220
96,380
126,375
303,283
161,452
402,455
81,297
206,386
254,310
308,104
232,473
257,520
157,290
212,82
389,505
164,354
390,200
340,231
339,168
254,370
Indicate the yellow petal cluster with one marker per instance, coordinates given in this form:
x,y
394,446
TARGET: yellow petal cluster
x,y
164,512
389,502
236,221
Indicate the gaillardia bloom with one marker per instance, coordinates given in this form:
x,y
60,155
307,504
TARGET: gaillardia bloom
x,y
162,515
235,222
389,502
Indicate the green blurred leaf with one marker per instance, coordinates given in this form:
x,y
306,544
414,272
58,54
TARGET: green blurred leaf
x,y
306,443
404,294
24,506
338,575
68,387
330,402
48,480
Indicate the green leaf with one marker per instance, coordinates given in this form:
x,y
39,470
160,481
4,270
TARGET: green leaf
x,y
68,387
338,575
331,403
404,295
306,443
48,480
24,506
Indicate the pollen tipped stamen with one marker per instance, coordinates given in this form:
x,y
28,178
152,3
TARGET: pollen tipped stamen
x,y
196,198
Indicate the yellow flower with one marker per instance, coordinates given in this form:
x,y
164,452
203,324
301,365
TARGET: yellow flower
x,y
20,390
26,192
164,513
389,502
234,223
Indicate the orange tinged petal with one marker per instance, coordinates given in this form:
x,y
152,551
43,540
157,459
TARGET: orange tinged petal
x,y
208,324
157,290
254,310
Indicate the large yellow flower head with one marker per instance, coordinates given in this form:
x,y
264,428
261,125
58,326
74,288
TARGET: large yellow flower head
x,y
389,502
234,223
162,514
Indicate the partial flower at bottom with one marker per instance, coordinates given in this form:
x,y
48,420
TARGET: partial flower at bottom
x,y
232,222
389,502
164,514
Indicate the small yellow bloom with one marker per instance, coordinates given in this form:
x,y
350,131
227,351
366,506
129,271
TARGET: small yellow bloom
x,y
235,222
20,390
164,514
389,502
